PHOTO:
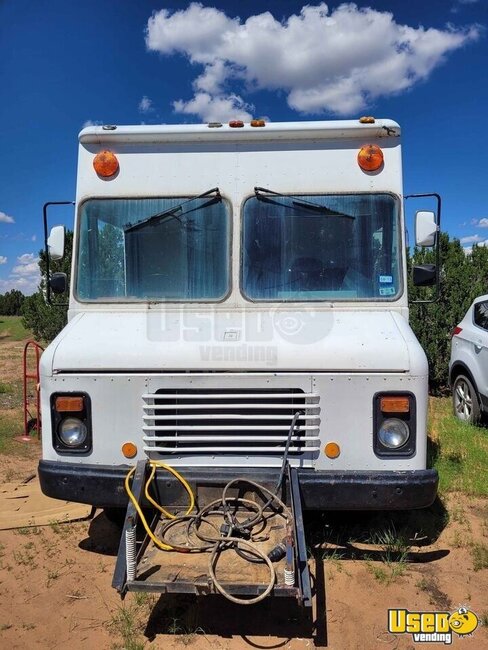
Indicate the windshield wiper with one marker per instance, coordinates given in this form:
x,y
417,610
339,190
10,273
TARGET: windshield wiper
x,y
172,212
262,194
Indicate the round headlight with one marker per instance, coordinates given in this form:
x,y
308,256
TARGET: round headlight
x,y
72,432
393,433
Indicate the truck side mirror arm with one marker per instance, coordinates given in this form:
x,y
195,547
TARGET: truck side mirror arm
x,y
425,275
55,240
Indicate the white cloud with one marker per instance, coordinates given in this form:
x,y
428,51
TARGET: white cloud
x,y
25,269
479,223
146,105
34,237
25,275
458,3
471,239
5,218
335,61
26,258
214,109
26,285
91,123
3,259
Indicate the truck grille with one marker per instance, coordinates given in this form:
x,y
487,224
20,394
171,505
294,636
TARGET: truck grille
x,y
229,421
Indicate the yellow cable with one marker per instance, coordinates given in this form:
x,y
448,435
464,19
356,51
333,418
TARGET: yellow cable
x,y
154,465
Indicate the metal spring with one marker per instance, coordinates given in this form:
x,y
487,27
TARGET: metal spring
x,y
289,578
130,552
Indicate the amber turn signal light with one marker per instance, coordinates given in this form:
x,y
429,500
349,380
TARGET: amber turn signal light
x,y
370,158
395,404
106,164
129,449
68,404
332,450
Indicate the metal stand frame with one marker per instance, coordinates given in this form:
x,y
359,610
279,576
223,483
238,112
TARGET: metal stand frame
x,y
301,591
31,419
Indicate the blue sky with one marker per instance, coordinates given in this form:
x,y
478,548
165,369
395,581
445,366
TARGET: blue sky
x,y
64,64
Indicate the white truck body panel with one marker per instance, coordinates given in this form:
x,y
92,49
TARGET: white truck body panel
x,y
332,341
339,353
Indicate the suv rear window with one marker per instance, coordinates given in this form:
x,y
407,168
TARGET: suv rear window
x,y
481,314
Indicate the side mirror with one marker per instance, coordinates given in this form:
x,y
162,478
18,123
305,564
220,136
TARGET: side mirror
x,y
425,228
55,243
424,275
58,282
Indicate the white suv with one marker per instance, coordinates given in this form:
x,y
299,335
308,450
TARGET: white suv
x,y
468,369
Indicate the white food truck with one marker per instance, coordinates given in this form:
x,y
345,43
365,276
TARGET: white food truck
x,y
228,280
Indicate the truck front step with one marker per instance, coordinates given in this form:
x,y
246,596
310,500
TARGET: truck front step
x,y
236,568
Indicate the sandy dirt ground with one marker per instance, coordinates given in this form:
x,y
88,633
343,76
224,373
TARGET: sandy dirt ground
x,y
55,590
55,580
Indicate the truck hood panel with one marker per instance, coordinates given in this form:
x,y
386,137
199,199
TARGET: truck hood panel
x,y
326,341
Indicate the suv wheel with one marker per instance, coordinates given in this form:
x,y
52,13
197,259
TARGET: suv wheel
x,y
465,400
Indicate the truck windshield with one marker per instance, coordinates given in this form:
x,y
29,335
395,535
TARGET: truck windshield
x,y
292,253
125,254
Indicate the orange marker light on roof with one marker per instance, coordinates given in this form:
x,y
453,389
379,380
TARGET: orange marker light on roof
x,y
236,124
106,164
370,158
258,123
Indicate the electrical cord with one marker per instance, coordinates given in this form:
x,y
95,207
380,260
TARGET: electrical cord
x,y
249,523
154,465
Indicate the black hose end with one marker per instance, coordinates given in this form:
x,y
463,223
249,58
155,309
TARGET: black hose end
x,y
277,553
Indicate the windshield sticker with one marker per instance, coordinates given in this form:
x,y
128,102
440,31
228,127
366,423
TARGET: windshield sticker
x,y
385,279
387,291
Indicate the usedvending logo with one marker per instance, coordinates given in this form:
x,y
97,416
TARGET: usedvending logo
x,y
432,627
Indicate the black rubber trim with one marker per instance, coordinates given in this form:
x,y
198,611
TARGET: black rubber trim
x,y
460,365
484,402
103,486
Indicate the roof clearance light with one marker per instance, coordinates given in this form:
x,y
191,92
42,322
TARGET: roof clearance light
x,y
106,164
370,158
214,125
236,124
258,123
367,119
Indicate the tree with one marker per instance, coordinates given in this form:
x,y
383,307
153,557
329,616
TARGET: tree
x,y
463,278
46,321
11,303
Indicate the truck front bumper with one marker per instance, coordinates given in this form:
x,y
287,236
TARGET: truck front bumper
x,y
103,486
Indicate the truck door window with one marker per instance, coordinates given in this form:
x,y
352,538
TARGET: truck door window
x,y
291,253
182,258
